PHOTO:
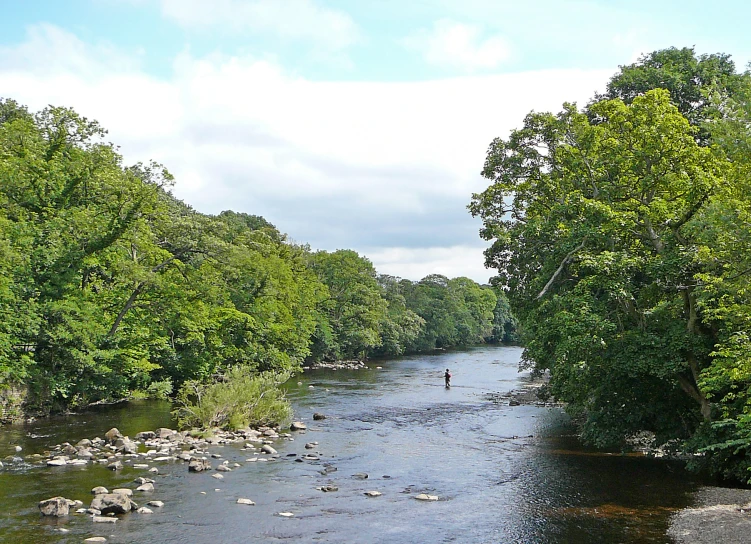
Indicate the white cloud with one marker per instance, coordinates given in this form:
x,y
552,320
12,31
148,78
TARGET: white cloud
x,y
457,45
418,263
386,169
289,19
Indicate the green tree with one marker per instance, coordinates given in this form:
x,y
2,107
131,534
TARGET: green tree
x,y
354,308
590,231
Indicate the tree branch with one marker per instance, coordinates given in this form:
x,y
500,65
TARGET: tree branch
x,y
560,269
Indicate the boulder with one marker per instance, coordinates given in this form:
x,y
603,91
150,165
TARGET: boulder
x,y
217,476
99,490
112,435
297,426
84,453
164,433
144,510
268,449
223,468
360,476
57,462
126,445
245,501
117,465
112,503
145,435
373,493
199,465
146,488
156,504
96,539
56,506
123,491
318,416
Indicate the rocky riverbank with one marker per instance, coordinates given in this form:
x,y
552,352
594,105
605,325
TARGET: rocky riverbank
x,y
533,392
721,515
150,451
336,365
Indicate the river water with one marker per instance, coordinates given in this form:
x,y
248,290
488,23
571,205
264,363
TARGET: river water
x,y
505,474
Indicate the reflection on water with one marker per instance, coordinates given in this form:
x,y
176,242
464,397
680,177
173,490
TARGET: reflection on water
x,y
503,474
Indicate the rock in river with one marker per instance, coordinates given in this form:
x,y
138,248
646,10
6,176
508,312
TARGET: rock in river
x,y
199,465
245,501
426,497
112,435
298,426
56,506
112,503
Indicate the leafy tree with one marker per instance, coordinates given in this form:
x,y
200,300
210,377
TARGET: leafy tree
x,y
589,223
689,78
354,308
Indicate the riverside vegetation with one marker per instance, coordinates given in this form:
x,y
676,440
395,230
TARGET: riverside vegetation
x,y
112,288
622,232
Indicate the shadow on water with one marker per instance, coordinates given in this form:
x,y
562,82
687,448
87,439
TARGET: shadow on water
x,y
502,473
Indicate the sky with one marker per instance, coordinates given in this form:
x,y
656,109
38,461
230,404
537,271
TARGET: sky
x,y
348,124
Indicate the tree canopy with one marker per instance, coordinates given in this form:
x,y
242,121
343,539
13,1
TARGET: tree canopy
x,y
617,231
111,287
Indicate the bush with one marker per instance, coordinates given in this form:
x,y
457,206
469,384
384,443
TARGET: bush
x,y
241,399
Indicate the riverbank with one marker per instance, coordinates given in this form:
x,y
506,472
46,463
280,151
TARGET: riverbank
x,y
720,515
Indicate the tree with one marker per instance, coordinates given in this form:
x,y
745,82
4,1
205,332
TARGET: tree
x,y
354,308
590,229
691,80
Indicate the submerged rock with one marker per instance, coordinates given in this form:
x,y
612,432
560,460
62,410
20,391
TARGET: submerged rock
x,y
298,426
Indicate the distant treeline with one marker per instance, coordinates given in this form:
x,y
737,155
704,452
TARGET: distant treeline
x,y
111,287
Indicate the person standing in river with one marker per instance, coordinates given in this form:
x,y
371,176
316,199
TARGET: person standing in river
x,y
447,377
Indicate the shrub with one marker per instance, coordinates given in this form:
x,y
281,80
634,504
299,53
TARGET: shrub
x,y
241,399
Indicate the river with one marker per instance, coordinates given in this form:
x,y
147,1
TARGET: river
x,y
505,474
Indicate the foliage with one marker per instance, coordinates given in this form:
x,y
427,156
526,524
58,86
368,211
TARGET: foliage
x,y
242,398
594,249
622,236
112,288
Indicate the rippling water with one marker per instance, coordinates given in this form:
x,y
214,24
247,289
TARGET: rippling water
x,y
503,474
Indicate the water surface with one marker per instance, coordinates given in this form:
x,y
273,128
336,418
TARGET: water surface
x,y
502,473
